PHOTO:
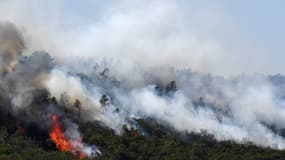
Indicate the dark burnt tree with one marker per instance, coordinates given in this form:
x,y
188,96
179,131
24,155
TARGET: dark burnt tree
x,y
104,100
77,104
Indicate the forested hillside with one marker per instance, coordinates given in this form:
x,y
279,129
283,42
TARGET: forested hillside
x,y
19,141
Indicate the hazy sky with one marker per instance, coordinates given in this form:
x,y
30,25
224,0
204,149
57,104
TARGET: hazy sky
x,y
224,37
261,20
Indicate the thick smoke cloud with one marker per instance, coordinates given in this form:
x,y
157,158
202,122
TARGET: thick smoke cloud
x,y
154,33
243,109
11,45
119,69
23,92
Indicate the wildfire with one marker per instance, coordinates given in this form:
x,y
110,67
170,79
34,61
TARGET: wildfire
x,y
63,143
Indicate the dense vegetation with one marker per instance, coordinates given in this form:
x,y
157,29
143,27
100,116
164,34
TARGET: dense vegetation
x,y
157,142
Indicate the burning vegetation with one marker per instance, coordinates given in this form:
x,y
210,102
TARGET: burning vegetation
x,y
59,99
56,134
73,145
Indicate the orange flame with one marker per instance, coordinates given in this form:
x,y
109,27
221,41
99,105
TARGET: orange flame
x,y
61,142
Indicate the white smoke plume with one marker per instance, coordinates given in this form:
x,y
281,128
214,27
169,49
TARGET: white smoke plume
x,y
242,109
154,33
136,57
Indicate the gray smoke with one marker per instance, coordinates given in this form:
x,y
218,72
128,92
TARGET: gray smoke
x,y
244,108
126,56
183,34
11,45
23,91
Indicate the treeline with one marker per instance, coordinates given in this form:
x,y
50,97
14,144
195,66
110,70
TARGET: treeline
x,y
161,143
150,142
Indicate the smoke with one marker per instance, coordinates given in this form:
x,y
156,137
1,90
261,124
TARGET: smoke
x,y
244,108
23,91
162,33
133,62
11,44
71,140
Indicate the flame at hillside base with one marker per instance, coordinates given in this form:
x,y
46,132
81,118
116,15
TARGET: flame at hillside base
x,y
75,146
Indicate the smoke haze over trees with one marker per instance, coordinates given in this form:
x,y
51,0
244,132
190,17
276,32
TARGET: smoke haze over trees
x,y
133,65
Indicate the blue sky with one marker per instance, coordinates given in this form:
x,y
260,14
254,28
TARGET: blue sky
x,y
262,20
